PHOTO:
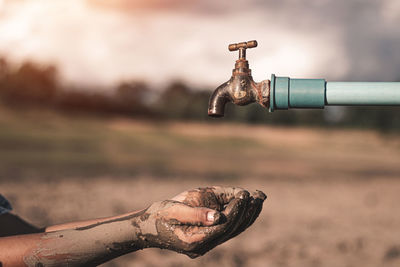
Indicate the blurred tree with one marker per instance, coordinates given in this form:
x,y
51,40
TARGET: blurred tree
x,y
4,69
174,101
30,84
132,97
382,118
84,101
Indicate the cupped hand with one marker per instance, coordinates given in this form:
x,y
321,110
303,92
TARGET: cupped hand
x,y
198,220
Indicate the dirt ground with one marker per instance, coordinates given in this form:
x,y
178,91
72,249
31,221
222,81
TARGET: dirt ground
x,y
347,223
333,195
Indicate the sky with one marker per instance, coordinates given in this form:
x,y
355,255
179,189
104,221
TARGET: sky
x,y
98,43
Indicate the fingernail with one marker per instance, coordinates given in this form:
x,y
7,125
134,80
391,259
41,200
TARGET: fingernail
x,y
210,216
262,195
243,195
214,216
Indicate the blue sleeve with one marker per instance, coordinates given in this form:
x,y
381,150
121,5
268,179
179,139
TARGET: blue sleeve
x,y
5,206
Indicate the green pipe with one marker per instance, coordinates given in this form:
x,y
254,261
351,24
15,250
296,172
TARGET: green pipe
x,y
362,93
289,93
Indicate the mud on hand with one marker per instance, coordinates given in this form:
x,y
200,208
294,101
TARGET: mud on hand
x,y
196,221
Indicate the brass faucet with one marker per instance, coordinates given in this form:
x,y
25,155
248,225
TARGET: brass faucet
x,y
240,89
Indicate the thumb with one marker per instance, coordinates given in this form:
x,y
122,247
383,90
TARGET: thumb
x,y
194,216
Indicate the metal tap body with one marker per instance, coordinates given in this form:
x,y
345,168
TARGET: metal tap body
x,y
240,89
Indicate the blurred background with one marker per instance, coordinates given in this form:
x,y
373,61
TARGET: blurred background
x,y
103,110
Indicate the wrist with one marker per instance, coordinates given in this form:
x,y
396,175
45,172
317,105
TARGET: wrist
x,y
145,227
122,235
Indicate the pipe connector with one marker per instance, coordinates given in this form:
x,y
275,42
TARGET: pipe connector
x,y
240,89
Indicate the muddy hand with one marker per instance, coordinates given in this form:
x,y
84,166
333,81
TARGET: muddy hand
x,y
219,198
196,221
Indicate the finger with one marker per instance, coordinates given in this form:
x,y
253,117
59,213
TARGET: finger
x,y
259,198
245,219
185,214
232,215
254,209
236,205
180,197
226,194
239,216
200,197
219,233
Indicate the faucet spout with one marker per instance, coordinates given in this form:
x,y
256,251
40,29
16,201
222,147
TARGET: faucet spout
x,y
216,104
240,89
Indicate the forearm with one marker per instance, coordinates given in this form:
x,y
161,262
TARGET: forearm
x,y
87,246
78,224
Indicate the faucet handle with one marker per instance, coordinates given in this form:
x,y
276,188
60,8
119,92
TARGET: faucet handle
x,y
242,47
